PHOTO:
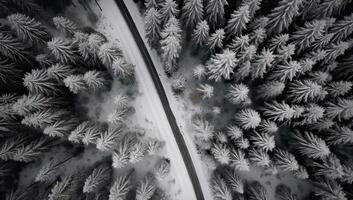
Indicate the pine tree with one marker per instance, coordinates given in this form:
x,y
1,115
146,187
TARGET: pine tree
x,y
342,28
65,25
9,147
124,70
270,90
320,77
108,139
247,54
339,135
283,15
192,13
220,137
258,36
60,128
9,73
200,34
108,53
301,173
12,48
238,93
38,82
263,141
285,160
153,146
322,124
203,128
342,109
305,91
168,10
278,42
234,132
327,189
326,8
254,5
237,22
35,102
152,4
206,91
31,151
261,64
75,83
322,41
95,41
239,43
248,118
234,182
121,153
162,168
339,88
220,189
285,53
146,188
28,29
310,145
221,153
215,41
284,193
59,71
153,26
215,12
95,80
117,116
91,134
99,177
48,172
45,60
41,119
171,44
336,49
238,160
259,157
258,22
305,36
63,50
242,143
255,191
199,72
64,189
329,167
268,127
278,111
120,188
137,152
77,134
221,65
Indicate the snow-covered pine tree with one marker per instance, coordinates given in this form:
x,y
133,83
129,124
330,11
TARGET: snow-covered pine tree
x,y
162,168
262,63
200,34
254,5
120,188
283,192
285,160
203,128
255,191
41,119
178,84
258,36
48,172
311,114
328,189
277,111
192,13
77,134
153,146
221,65
285,53
237,22
99,177
248,118
169,8
28,29
31,151
13,49
334,50
239,43
117,116
91,134
342,28
339,88
234,132
326,8
124,70
310,145
259,157
322,41
75,83
215,41
283,15
60,71
63,50
263,141
108,53
45,60
278,41
221,153
60,128
65,25
305,91
268,127
339,135
234,182
94,41
329,167
64,188
146,188
301,173
286,71
152,4
206,91
238,160
109,138
320,77
269,90
38,82
121,153
171,44
305,36
95,80
242,143
341,109
35,102
220,189
238,93
153,26
137,152
215,13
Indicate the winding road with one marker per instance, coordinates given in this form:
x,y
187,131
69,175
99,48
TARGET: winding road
x,y
163,97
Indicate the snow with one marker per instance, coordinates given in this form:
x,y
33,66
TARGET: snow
x,y
186,105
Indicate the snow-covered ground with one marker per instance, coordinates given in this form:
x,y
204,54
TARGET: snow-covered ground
x,y
187,104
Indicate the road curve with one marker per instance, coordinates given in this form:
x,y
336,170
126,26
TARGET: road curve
x,y
163,97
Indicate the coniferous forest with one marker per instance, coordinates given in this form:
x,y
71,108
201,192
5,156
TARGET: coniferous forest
x,y
263,88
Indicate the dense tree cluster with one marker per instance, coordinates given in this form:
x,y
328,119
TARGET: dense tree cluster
x,y
286,68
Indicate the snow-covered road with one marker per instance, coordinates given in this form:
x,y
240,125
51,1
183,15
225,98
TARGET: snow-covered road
x,y
153,103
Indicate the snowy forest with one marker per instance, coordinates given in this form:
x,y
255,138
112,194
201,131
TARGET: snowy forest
x,y
262,88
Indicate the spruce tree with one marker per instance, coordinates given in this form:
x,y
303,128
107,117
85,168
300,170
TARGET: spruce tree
x,y
261,64
234,132
342,109
283,15
286,71
60,128
221,65
258,36
220,189
328,189
322,41
48,172
284,193
108,139
63,50
75,83
137,152
329,167
238,93
120,188
311,114
28,29
221,153
285,53
255,191
91,134
168,10
258,22
31,151
320,77
109,52
238,160
123,70
254,5
77,134
305,91
39,82
278,41
203,128
200,34
247,54
152,4
199,72
248,118
64,188
310,145
239,43
326,8
270,90
146,188
285,160
339,135
339,88
342,28
192,13
263,141
336,49
215,41
153,146
259,157
99,177
12,48
234,182
162,168
65,25
153,26
59,72
268,127
41,119
95,80
278,111
121,153
215,13
237,22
